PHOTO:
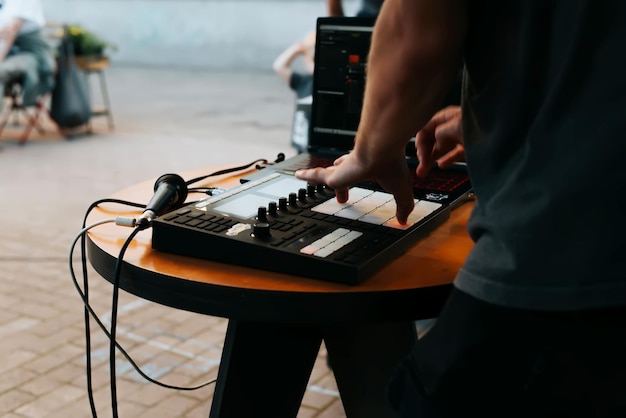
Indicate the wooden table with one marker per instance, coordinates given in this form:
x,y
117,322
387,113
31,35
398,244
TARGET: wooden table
x,y
277,322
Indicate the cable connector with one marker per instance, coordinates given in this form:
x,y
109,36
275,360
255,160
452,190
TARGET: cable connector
x,y
125,221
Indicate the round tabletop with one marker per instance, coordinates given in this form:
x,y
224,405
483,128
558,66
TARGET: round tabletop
x,y
413,286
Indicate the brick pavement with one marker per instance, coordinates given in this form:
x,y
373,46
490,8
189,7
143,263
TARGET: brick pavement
x,y
166,121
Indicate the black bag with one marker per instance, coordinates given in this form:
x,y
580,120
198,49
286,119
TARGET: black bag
x,y
70,106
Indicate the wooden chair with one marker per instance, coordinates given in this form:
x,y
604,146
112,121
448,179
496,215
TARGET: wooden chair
x,y
17,111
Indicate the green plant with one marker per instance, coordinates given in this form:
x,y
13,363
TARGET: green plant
x,y
86,43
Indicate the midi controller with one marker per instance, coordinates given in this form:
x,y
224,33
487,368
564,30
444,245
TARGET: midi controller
x,y
279,223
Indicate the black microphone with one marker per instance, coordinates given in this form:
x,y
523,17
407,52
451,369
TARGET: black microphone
x,y
170,192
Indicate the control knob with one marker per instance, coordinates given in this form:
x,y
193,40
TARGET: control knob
x,y
293,200
302,195
282,203
272,208
261,230
262,214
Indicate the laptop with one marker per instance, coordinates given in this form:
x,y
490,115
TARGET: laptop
x,y
341,51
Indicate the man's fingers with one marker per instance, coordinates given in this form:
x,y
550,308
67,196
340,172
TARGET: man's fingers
x,y
342,195
440,136
456,155
424,144
403,211
450,130
312,175
405,203
321,175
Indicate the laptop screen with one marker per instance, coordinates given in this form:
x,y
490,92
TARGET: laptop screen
x,y
341,50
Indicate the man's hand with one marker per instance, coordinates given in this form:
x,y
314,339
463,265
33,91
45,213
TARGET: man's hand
x,y
440,140
349,170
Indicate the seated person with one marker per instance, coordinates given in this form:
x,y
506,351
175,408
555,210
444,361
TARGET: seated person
x,y
301,82
25,56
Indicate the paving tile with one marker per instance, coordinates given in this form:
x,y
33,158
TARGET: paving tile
x,y
15,378
13,399
53,400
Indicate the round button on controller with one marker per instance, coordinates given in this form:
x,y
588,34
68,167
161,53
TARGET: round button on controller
x,y
261,230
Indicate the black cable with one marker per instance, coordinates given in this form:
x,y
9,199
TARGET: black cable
x,y
83,248
110,200
204,190
90,313
92,402
103,327
112,341
279,157
226,171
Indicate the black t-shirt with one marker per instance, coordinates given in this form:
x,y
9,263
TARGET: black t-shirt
x,y
544,113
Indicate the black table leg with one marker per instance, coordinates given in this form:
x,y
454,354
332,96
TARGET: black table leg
x,y
264,370
363,358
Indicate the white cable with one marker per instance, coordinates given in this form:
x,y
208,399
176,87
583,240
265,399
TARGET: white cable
x,y
85,229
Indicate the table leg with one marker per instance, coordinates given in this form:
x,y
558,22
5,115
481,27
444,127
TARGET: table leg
x,y
363,359
264,370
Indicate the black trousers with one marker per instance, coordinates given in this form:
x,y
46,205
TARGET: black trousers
x,y
484,360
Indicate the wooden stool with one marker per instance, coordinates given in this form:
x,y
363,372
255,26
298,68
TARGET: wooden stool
x,y
97,65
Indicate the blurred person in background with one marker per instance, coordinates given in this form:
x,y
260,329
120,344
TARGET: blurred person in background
x,y
25,55
301,82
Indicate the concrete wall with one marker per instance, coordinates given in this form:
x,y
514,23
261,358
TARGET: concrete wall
x,y
235,35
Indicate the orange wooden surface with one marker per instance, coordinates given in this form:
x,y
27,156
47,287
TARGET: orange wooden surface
x,y
432,261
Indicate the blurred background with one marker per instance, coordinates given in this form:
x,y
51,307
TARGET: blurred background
x,y
200,34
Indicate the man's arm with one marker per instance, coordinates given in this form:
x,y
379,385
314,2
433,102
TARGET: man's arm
x,y
8,33
334,8
414,59
415,56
